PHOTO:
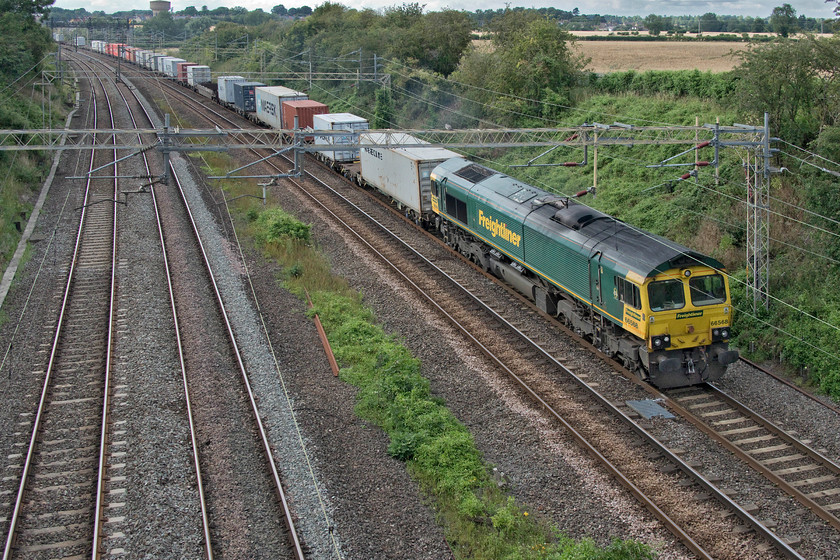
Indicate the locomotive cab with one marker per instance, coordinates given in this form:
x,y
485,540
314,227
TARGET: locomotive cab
x,y
689,319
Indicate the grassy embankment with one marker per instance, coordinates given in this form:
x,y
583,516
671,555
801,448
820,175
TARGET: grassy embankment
x,y
23,172
479,519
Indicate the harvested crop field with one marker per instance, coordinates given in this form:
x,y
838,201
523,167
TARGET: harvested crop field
x,y
616,56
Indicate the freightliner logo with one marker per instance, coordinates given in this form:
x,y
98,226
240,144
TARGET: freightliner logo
x,y
689,314
498,229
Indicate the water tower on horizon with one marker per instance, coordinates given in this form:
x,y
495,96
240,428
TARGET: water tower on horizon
x,y
159,6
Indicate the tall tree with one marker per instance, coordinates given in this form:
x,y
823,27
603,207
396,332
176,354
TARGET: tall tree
x,y
655,24
710,22
437,40
26,7
383,112
23,42
783,20
531,58
796,82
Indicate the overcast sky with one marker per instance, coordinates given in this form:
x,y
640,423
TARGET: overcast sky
x,y
755,8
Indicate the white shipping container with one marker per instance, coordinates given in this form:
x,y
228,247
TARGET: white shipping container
x,y
161,62
171,68
269,102
339,121
152,61
226,88
198,74
80,41
402,173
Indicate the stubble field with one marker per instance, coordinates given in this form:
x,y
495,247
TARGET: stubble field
x,y
617,56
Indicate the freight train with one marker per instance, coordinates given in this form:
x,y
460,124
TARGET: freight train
x,y
660,308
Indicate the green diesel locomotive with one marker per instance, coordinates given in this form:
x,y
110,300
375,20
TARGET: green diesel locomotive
x,y
659,307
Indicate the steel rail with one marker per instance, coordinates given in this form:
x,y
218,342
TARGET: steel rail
x,y
720,496
106,403
60,324
205,520
290,524
757,465
281,494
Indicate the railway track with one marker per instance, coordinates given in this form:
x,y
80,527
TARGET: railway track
x,y
205,379
521,357
805,474
535,351
73,489
61,475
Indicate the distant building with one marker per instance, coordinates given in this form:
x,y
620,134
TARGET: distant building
x,y
159,6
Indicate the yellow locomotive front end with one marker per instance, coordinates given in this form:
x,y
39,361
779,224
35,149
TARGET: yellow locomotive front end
x,y
688,320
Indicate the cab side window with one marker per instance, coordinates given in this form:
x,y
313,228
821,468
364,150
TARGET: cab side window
x,y
628,293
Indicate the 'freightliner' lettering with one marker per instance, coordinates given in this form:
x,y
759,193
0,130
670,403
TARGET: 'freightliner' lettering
x,y
498,229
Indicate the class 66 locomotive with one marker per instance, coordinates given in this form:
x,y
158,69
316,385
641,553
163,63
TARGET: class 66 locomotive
x,y
660,308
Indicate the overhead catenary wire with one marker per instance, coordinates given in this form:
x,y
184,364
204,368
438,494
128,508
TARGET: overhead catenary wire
x,y
403,91
440,106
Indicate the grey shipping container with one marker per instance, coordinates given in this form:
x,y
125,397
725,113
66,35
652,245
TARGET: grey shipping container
x,y
269,103
170,68
80,41
244,95
161,62
402,173
339,121
198,74
226,88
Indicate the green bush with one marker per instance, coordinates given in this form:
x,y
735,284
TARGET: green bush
x,y
676,83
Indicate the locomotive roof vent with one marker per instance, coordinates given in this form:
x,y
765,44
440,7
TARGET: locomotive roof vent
x,y
577,216
474,173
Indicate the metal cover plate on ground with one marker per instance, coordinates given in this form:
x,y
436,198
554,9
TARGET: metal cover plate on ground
x,y
649,409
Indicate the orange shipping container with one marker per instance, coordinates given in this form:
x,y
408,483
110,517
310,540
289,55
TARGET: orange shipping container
x,y
304,110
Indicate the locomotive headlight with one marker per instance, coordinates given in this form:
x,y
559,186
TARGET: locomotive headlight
x,y
661,341
720,334
726,311
686,273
